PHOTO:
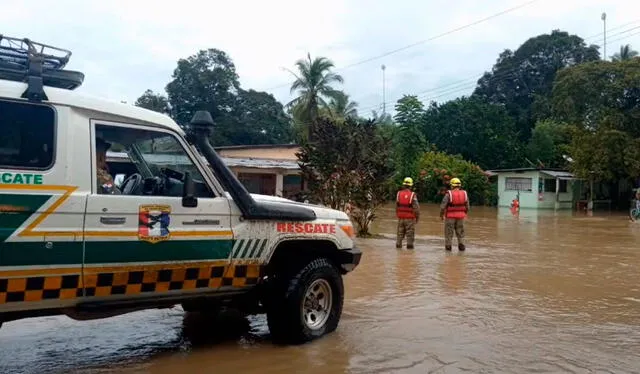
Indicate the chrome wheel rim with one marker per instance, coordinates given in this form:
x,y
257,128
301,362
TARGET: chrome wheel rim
x,y
317,303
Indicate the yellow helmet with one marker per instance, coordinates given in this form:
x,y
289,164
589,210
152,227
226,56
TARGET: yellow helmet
x,y
455,182
408,181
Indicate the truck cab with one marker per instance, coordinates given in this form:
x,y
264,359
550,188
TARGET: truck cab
x,y
179,228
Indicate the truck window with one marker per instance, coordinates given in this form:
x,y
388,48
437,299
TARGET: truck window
x,y
154,154
27,135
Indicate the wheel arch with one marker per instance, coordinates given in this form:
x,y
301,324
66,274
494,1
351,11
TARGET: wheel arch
x,y
294,253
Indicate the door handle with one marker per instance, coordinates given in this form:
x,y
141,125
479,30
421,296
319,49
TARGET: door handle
x,y
113,220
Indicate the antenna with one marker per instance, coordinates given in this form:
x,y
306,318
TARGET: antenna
x,y
37,64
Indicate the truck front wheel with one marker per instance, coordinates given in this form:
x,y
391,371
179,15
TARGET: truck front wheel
x,y
307,305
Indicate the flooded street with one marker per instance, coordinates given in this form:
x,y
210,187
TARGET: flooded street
x,y
542,292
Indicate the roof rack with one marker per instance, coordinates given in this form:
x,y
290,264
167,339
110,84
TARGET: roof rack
x,y
37,64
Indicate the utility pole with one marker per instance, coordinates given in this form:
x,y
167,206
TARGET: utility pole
x,y
384,101
604,21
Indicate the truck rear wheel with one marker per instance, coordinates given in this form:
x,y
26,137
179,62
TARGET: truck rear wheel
x,y
307,305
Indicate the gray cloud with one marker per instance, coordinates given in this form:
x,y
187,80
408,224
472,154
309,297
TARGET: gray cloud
x,y
126,47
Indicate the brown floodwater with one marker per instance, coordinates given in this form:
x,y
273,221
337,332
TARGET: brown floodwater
x,y
540,292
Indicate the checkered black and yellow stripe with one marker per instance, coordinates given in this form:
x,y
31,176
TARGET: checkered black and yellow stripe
x,y
126,282
40,288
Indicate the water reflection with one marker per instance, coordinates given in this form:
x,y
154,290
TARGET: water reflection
x,y
453,273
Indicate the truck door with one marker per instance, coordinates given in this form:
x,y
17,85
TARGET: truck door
x,y
140,240
41,209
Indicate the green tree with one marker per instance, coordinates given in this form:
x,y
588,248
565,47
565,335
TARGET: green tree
x,y
478,131
549,143
410,141
626,53
602,102
341,106
337,178
154,101
599,95
313,84
208,80
605,155
204,81
259,119
437,169
525,76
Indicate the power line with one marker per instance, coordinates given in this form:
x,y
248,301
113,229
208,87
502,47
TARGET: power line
x,y
503,73
475,77
509,10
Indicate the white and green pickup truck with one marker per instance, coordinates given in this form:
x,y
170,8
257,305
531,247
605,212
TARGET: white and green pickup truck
x,y
189,234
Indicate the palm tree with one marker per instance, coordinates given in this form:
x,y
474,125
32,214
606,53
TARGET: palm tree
x,y
626,53
314,85
383,119
340,106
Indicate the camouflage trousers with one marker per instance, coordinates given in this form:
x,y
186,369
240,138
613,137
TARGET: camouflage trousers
x,y
406,227
451,226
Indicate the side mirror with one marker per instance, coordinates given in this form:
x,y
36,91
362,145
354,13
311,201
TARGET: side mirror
x,y
189,200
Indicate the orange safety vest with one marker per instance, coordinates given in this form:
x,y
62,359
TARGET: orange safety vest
x,y
457,204
404,210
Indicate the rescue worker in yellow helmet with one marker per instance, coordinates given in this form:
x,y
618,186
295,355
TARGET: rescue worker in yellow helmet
x,y
453,210
408,213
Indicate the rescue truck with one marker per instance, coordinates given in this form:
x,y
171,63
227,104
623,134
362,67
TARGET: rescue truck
x,y
171,233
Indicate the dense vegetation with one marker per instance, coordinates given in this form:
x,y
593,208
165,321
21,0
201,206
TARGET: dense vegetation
x,y
552,102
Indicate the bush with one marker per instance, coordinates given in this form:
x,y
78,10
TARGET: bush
x,y
347,168
438,168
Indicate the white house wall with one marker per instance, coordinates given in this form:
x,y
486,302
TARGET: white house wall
x,y
530,199
527,199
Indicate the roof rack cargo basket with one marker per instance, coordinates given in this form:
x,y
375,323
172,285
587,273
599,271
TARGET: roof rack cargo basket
x,y
37,64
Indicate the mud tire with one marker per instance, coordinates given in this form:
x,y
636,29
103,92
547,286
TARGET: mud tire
x,y
284,307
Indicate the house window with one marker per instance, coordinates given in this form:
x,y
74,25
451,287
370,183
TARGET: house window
x,y
27,135
259,183
518,184
292,184
563,186
550,185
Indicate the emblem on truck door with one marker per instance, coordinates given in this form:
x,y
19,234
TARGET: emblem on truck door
x,y
153,223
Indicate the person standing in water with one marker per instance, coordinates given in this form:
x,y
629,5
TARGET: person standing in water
x,y
408,213
453,210
634,210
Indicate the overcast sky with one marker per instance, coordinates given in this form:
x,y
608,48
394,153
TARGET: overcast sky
x,y
125,47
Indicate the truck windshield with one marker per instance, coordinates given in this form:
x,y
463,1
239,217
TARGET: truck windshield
x,y
165,152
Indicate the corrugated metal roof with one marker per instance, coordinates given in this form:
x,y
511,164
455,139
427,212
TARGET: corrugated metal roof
x,y
256,163
524,169
558,174
261,163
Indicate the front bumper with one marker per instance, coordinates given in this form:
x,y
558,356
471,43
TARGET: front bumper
x,y
349,258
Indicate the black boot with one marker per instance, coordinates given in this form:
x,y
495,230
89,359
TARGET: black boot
x,y
461,247
447,248
409,246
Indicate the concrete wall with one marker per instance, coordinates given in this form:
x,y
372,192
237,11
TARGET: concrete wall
x,y
530,199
